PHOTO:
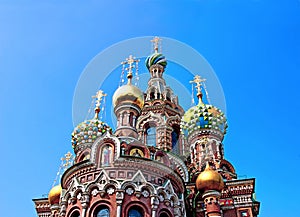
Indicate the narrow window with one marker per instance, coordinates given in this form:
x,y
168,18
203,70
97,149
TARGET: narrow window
x,y
107,155
151,136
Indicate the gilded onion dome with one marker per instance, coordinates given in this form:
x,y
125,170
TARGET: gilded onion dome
x,y
209,179
129,93
89,130
54,195
203,116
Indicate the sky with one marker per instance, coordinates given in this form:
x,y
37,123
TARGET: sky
x,y
252,45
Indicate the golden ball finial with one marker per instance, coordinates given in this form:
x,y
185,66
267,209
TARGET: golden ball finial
x,y
209,179
54,195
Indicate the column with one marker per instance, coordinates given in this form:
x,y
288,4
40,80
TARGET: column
x,y
211,201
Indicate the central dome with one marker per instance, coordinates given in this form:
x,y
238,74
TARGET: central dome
x,y
128,94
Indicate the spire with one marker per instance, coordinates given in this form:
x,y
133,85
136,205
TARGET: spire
x,y
199,83
156,40
130,61
99,95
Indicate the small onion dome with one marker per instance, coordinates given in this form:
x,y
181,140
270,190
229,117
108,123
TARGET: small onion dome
x,y
128,94
156,58
203,116
88,131
209,179
54,195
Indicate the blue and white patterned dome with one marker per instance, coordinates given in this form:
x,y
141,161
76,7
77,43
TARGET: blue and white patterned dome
x,y
156,58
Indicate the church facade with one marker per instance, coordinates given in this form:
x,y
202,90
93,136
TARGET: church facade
x,y
160,161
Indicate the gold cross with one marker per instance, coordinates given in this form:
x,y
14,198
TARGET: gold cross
x,y
130,60
99,95
67,159
198,81
156,41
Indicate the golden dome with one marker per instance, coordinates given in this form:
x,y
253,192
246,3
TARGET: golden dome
x,y
130,94
209,179
54,195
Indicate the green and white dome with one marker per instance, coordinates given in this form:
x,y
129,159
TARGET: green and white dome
x,y
87,132
203,117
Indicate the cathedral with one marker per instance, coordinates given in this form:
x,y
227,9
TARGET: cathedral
x,y
160,161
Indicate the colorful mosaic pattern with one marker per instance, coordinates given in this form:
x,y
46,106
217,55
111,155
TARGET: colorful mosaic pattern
x,y
156,58
88,131
203,116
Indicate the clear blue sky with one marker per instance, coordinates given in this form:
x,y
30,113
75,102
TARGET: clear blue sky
x,y
253,46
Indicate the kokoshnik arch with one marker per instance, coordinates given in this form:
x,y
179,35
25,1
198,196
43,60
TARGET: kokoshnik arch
x,y
160,161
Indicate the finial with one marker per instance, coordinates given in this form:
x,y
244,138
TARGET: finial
x,y
207,167
130,60
66,162
156,41
198,81
99,95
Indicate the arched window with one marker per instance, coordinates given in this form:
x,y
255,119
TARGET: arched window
x,y
135,212
168,96
75,214
107,155
164,215
102,212
151,136
175,137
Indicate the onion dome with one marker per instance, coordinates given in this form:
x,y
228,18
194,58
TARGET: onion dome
x,y
209,179
54,195
129,93
156,58
89,130
203,116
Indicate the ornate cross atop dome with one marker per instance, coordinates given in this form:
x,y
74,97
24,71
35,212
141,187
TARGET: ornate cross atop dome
x,y
156,41
130,61
199,83
99,96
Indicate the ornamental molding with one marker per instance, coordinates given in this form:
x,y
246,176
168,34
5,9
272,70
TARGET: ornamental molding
x,y
150,117
109,138
183,170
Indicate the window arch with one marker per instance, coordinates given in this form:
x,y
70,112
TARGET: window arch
x,y
135,212
75,214
164,215
102,212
